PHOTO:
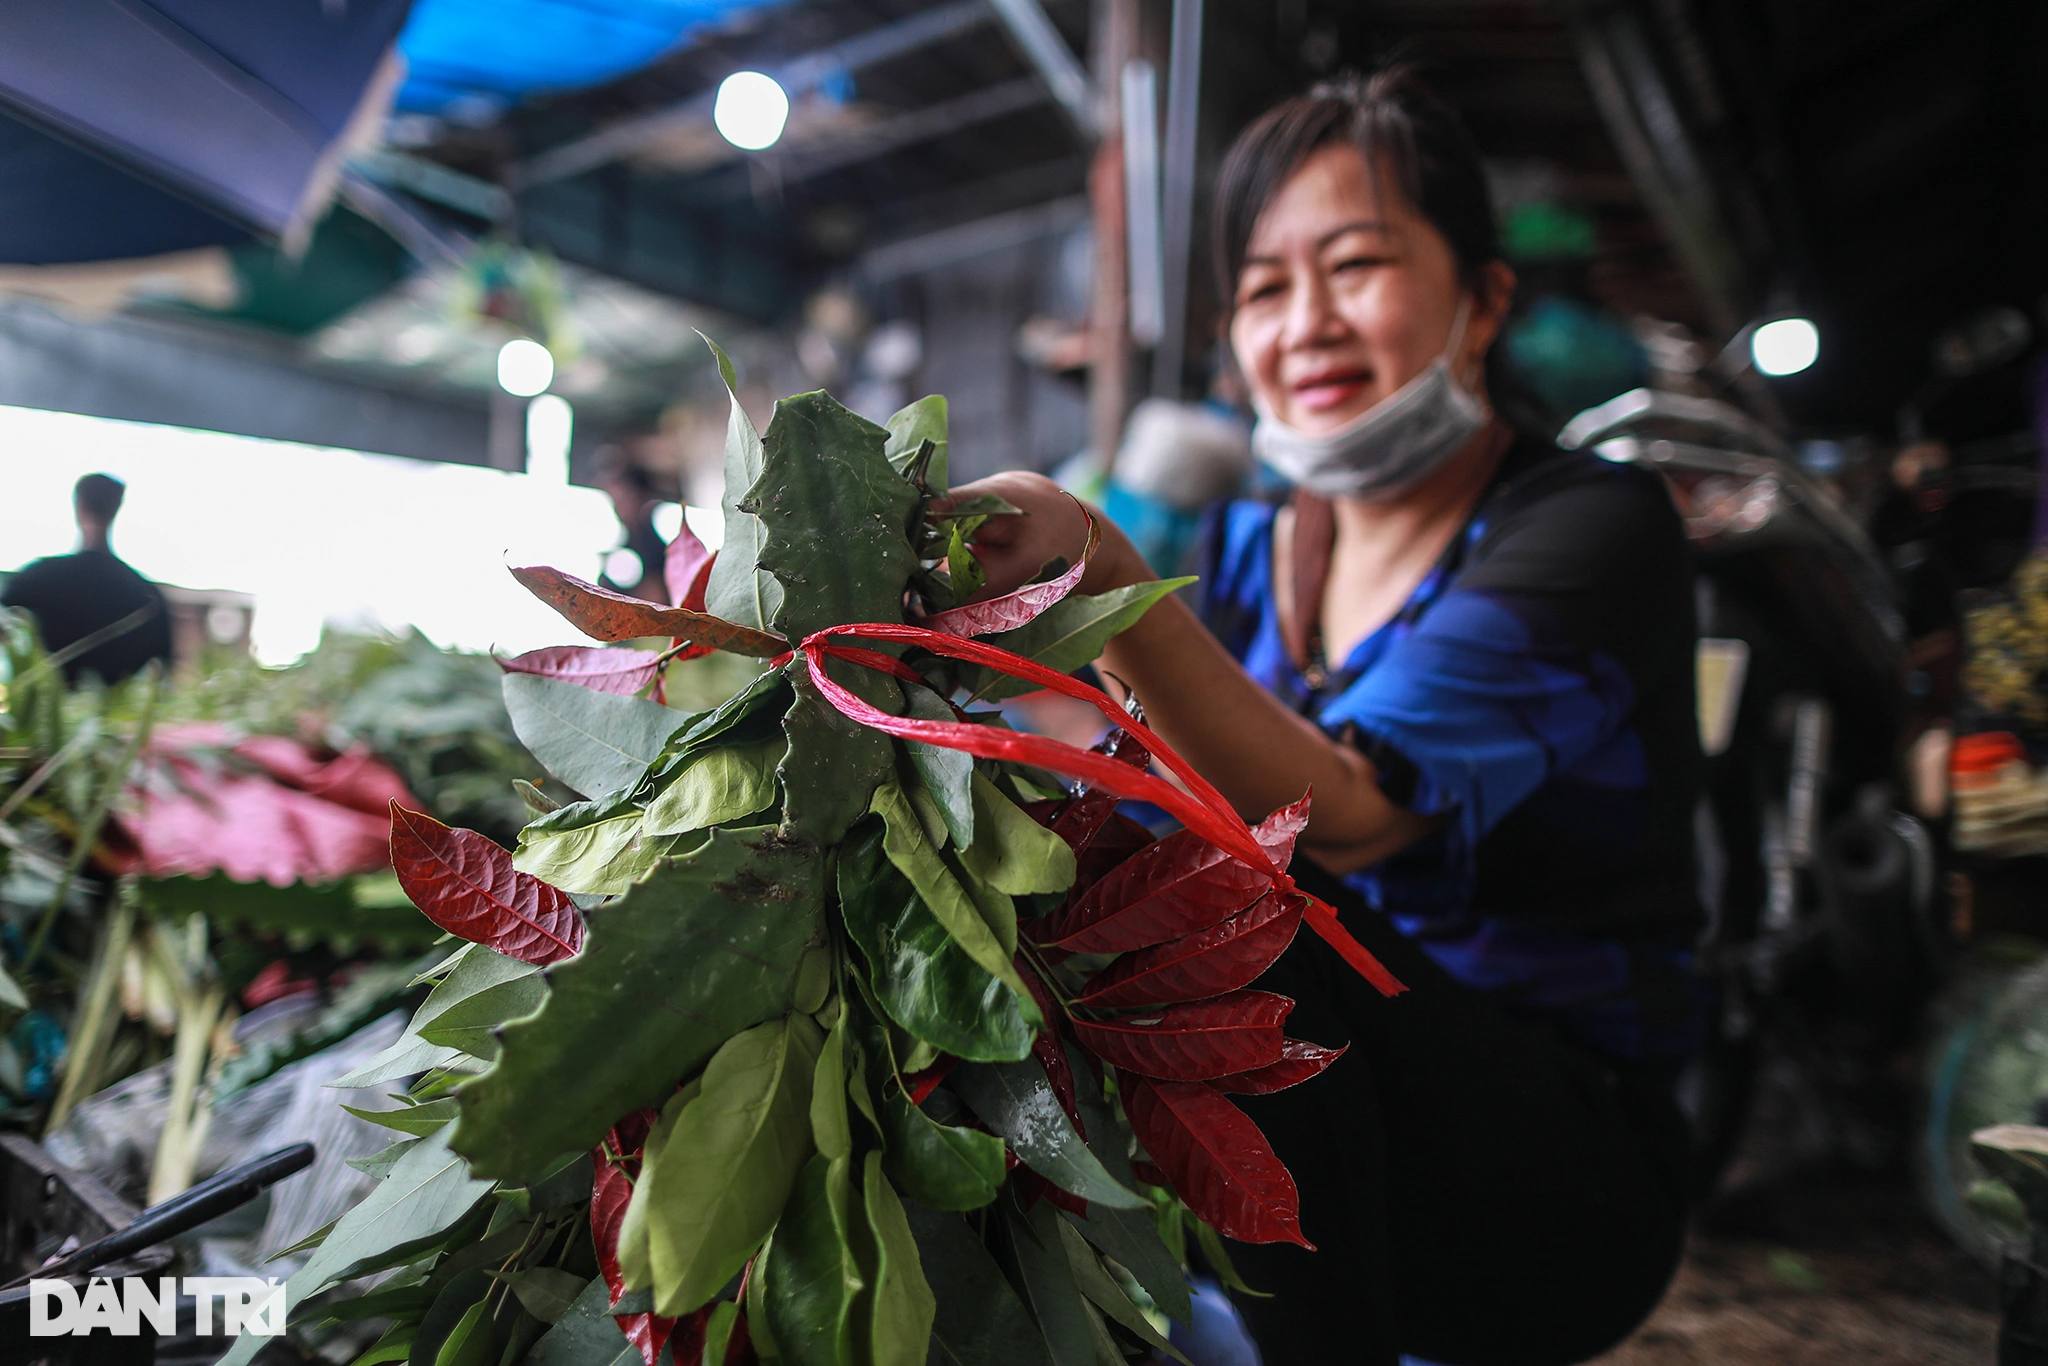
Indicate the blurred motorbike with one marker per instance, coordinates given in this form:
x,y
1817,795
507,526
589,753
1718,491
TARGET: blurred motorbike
x,y
1822,934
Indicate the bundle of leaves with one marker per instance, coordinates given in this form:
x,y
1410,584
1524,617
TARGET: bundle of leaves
x,y
831,1026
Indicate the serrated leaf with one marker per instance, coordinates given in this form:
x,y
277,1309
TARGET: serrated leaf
x,y
979,1320
811,1278
718,785
909,428
823,466
1073,631
921,976
595,742
591,848
704,948
467,885
739,589
727,1170
945,895
1012,852
605,614
895,1310
946,774
1016,1100
609,669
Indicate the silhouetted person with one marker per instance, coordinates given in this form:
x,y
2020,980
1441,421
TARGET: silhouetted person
x,y
75,596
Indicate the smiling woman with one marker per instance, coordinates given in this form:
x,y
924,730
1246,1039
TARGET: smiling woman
x,y
1476,650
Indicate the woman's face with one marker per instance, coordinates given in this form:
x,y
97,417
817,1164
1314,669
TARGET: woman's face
x,y
1346,294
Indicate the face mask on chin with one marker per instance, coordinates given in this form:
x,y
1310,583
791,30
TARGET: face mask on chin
x,y
1387,449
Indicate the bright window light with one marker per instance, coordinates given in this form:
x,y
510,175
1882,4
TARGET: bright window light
x,y
549,423
750,110
1785,346
208,510
524,367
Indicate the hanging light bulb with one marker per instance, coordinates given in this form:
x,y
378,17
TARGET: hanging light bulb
x,y
1784,346
525,367
750,111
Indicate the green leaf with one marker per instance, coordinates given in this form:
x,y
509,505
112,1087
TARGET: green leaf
x,y
401,1302
823,469
1071,1335
811,1276
1130,1236
718,1330
362,1164
909,428
833,762
596,742
476,970
547,1292
1016,1100
455,1331
831,1128
418,1120
587,1335
1012,852
719,785
961,565
739,590
470,1025
1073,631
938,1164
921,976
395,1345
895,1311
979,1321
590,848
635,1266
947,774
948,899
728,1168
11,994
1103,1291
702,949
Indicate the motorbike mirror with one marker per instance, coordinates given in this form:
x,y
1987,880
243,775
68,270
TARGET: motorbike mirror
x,y
1981,341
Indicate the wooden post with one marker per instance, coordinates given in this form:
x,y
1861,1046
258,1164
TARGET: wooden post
x,y
1109,374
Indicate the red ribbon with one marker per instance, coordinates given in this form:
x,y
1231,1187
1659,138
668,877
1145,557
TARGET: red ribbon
x,y
1205,811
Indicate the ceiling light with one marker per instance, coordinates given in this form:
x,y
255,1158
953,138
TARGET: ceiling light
x,y
1785,346
750,111
524,367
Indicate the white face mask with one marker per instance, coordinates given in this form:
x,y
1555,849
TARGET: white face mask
x,y
1390,447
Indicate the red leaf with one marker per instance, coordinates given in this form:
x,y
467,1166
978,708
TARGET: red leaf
x,y
1193,1042
1206,963
1012,610
605,615
1197,805
1216,1159
1149,1174
686,569
1277,832
605,669
1046,1046
616,1165
1034,1188
467,885
1299,1060
918,1085
1171,887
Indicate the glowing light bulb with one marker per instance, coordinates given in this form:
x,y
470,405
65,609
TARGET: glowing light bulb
x,y
550,422
524,367
1785,346
750,111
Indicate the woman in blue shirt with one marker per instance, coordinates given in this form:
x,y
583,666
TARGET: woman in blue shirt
x,y
1477,650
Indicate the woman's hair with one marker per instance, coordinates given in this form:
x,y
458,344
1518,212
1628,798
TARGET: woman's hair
x,y
1403,131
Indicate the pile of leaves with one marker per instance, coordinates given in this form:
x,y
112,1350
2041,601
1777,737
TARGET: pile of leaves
x,y
831,1025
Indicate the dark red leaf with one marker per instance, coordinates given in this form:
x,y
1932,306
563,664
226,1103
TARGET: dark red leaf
x,y
1149,1174
1034,1188
1207,963
602,669
467,885
918,1085
1012,610
739,1348
605,615
1169,888
1215,1158
1046,1046
1196,803
1276,833
1299,1060
686,569
1193,1042
615,1166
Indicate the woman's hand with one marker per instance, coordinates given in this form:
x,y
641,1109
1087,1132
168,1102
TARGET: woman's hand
x,y
1013,549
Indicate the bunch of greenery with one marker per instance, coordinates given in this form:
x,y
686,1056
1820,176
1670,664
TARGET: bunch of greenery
x,y
829,1027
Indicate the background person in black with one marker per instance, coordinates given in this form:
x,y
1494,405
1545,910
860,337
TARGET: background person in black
x,y
75,596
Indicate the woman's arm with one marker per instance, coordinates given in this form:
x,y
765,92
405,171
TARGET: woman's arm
x,y
1257,752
